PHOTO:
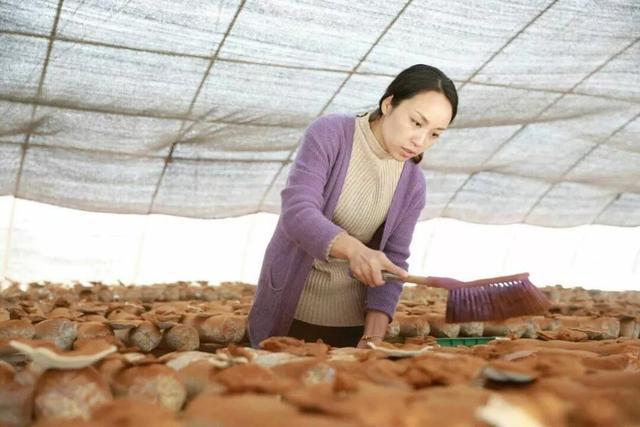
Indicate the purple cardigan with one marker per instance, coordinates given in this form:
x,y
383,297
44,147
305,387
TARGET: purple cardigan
x,y
305,229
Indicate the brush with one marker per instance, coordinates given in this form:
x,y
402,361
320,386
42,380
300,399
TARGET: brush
x,y
493,298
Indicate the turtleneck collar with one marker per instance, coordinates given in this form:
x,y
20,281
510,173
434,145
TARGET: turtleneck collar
x,y
376,146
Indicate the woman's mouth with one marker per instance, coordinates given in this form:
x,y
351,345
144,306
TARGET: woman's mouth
x,y
408,153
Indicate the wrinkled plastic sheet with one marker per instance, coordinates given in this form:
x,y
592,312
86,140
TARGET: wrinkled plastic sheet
x,y
197,108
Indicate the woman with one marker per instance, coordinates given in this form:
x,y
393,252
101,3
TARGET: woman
x,y
349,209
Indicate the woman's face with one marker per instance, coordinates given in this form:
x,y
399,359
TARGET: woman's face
x,y
414,125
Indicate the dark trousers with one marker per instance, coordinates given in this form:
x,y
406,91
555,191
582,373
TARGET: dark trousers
x,y
335,336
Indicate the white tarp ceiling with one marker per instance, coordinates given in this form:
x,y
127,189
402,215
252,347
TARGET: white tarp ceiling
x,y
195,108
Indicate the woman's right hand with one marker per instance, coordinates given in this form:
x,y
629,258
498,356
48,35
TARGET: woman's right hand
x,y
367,266
365,263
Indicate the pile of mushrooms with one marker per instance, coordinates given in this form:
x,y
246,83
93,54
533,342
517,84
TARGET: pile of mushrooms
x,y
177,355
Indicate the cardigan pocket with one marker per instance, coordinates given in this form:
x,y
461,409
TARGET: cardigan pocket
x,y
278,272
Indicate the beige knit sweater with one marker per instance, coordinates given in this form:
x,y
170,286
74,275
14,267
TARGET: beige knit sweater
x,y
330,296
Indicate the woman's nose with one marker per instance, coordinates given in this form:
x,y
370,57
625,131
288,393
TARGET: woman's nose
x,y
419,140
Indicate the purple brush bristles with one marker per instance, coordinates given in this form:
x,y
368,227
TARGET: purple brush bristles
x,y
495,301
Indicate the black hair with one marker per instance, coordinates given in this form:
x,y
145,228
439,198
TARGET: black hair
x,y
417,79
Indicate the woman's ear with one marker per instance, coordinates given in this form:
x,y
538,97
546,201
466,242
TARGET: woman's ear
x,y
386,105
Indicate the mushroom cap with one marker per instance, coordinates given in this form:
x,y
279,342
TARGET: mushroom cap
x,y
16,328
61,331
88,307
295,346
7,372
180,359
63,422
61,312
223,328
252,377
124,324
16,399
182,338
399,352
93,329
48,356
198,377
503,371
125,317
164,315
93,318
70,393
145,336
232,411
134,412
154,383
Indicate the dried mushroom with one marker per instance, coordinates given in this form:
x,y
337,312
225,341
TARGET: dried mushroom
x,y
253,378
16,396
152,383
62,332
508,372
134,412
224,328
11,329
146,336
231,411
92,330
182,338
47,356
69,393
571,375
393,351
295,346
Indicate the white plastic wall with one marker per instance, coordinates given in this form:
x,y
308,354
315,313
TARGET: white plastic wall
x,y
59,244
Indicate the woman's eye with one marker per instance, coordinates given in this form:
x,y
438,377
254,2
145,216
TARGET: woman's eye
x,y
435,135
418,124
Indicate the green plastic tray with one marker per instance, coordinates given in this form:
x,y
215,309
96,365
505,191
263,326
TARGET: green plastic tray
x,y
468,341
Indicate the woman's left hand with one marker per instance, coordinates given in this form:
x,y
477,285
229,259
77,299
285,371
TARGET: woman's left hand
x,y
365,343
375,327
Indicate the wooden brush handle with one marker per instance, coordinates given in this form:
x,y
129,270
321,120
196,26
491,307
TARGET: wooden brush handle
x,y
448,283
433,282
